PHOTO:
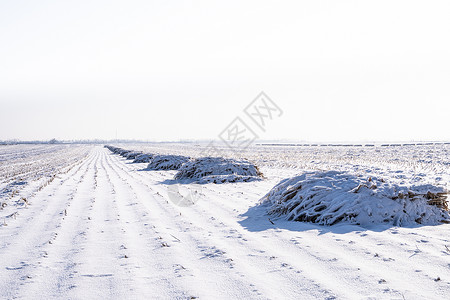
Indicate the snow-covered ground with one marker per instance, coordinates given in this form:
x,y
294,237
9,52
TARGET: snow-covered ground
x,y
95,225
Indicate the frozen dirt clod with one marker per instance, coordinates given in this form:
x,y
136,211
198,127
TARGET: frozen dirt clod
x,y
331,197
219,170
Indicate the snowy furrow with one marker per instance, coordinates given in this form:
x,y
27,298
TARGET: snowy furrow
x,y
24,247
61,253
204,260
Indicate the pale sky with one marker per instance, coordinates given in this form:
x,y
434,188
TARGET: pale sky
x,y
170,70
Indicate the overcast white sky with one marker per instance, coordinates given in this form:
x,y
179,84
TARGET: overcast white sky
x,y
169,70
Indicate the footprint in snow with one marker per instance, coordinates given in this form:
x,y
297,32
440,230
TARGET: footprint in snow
x,y
213,253
99,275
13,268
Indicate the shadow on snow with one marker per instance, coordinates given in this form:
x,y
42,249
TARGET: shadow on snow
x,y
256,219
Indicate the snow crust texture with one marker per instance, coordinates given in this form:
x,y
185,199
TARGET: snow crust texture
x,y
332,197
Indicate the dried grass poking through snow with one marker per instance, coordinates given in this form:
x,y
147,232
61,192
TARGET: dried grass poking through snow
x,y
219,170
167,162
331,197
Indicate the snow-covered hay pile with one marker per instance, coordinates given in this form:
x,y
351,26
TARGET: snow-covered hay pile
x,y
124,153
331,197
167,162
143,158
128,154
113,149
120,151
117,150
132,154
218,170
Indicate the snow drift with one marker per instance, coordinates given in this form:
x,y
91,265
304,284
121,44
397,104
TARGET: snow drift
x,y
218,170
167,162
331,197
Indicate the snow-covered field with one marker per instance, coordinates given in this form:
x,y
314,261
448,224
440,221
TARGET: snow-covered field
x,y
79,222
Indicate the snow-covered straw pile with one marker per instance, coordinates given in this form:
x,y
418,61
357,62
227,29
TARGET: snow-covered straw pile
x,y
136,156
201,170
167,162
218,170
132,154
113,149
331,197
143,158
117,150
